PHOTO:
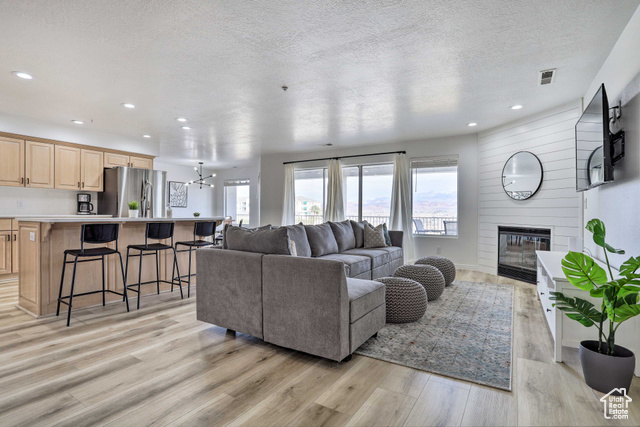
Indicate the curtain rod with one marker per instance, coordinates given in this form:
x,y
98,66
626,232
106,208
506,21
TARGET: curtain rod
x,y
346,157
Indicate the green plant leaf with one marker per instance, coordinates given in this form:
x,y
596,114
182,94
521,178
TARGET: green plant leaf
x,y
576,309
596,227
582,271
626,308
630,266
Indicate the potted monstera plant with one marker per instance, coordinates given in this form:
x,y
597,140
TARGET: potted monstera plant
x,y
606,365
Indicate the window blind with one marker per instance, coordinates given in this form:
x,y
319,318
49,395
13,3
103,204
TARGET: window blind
x,y
440,163
235,182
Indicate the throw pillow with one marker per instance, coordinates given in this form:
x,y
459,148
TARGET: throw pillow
x,y
321,240
298,234
358,231
374,237
387,237
343,232
260,240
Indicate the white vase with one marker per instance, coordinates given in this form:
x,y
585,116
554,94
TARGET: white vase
x,y
133,213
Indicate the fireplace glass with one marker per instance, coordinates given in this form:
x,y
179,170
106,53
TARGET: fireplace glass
x,y
517,248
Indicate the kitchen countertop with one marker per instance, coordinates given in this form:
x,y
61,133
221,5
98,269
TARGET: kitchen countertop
x,y
106,218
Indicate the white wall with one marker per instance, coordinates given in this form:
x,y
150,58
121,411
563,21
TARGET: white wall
x,y
198,200
462,250
618,203
40,201
250,172
557,206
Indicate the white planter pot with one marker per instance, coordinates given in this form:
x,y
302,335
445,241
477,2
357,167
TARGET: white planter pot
x,y
133,213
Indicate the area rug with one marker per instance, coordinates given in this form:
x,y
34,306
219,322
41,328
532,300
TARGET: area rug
x,y
465,334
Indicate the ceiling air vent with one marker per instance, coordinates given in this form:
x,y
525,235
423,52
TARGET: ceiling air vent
x,y
547,76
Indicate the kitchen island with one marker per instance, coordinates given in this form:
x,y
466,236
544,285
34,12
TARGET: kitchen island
x,y
42,242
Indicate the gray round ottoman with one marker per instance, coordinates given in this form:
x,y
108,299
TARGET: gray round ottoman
x,y
406,299
428,276
445,265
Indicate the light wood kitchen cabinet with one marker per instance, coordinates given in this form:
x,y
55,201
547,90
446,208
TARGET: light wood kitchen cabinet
x,y
141,162
112,160
67,167
92,167
11,162
15,250
39,164
5,252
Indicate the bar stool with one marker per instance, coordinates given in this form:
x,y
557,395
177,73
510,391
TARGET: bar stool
x,y
92,234
200,230
154,231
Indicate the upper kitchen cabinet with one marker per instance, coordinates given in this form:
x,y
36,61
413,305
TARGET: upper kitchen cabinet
x,y
112,160
92,167
67,170
11,162
141,162
39,164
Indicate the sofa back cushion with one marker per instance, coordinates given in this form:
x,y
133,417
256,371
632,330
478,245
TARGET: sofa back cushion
x,y
343,232
224,232
358,232
298,236
261,240
374,237
321,240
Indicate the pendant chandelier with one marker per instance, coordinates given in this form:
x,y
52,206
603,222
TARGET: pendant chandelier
x,y
201,179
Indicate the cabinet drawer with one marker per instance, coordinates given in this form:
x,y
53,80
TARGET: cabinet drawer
x,y
5,224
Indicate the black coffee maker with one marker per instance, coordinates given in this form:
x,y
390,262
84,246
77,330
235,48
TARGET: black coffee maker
x,y
85,207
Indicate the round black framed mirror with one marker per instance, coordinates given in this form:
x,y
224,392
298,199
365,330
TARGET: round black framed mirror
x,y
522,175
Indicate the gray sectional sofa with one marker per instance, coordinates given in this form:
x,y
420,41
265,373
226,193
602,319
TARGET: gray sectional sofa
x,y
326,305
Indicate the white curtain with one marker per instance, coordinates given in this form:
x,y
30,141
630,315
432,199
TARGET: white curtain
x,y
401,204
335,200
289,205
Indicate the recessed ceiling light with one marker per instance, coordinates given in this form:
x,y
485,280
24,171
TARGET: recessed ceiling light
x,y
78,122
128,105
472,124
23,75
516,107
186,127
181,119
146,136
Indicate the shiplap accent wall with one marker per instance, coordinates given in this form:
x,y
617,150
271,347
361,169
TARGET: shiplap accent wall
x,y
557,206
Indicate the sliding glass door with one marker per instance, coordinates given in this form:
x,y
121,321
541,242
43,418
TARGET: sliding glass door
x,y
368,192
311,195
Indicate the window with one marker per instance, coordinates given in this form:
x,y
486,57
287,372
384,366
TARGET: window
x,y
435,196
311,195
368,192
236,200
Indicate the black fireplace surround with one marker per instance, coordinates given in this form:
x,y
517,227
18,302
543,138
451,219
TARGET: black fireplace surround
x,y
517,248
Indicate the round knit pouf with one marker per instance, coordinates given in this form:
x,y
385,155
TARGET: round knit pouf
x,y
445,265
428,276
406,299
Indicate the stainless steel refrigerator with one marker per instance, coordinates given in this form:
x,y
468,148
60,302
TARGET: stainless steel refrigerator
x,y
123,185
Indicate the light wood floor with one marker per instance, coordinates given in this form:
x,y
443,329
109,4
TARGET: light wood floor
x,y
160,366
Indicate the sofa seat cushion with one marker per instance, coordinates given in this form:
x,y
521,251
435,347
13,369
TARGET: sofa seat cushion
x,y
364,296
394,252
378,256
354,264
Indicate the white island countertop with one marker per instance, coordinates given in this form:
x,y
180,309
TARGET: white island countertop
x,y
106,218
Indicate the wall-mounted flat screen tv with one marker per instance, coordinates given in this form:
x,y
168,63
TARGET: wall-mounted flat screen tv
x,y
594,164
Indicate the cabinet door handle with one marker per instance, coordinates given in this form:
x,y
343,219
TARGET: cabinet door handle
x,y
8,238
548,309
27,181
78,184
541,293
22,180
15,236
83,184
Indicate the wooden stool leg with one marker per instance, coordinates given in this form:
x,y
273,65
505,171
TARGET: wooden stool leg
x,y
73,283
61,283
124,281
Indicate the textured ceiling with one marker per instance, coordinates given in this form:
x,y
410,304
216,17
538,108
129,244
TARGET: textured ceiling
x,y
359,72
